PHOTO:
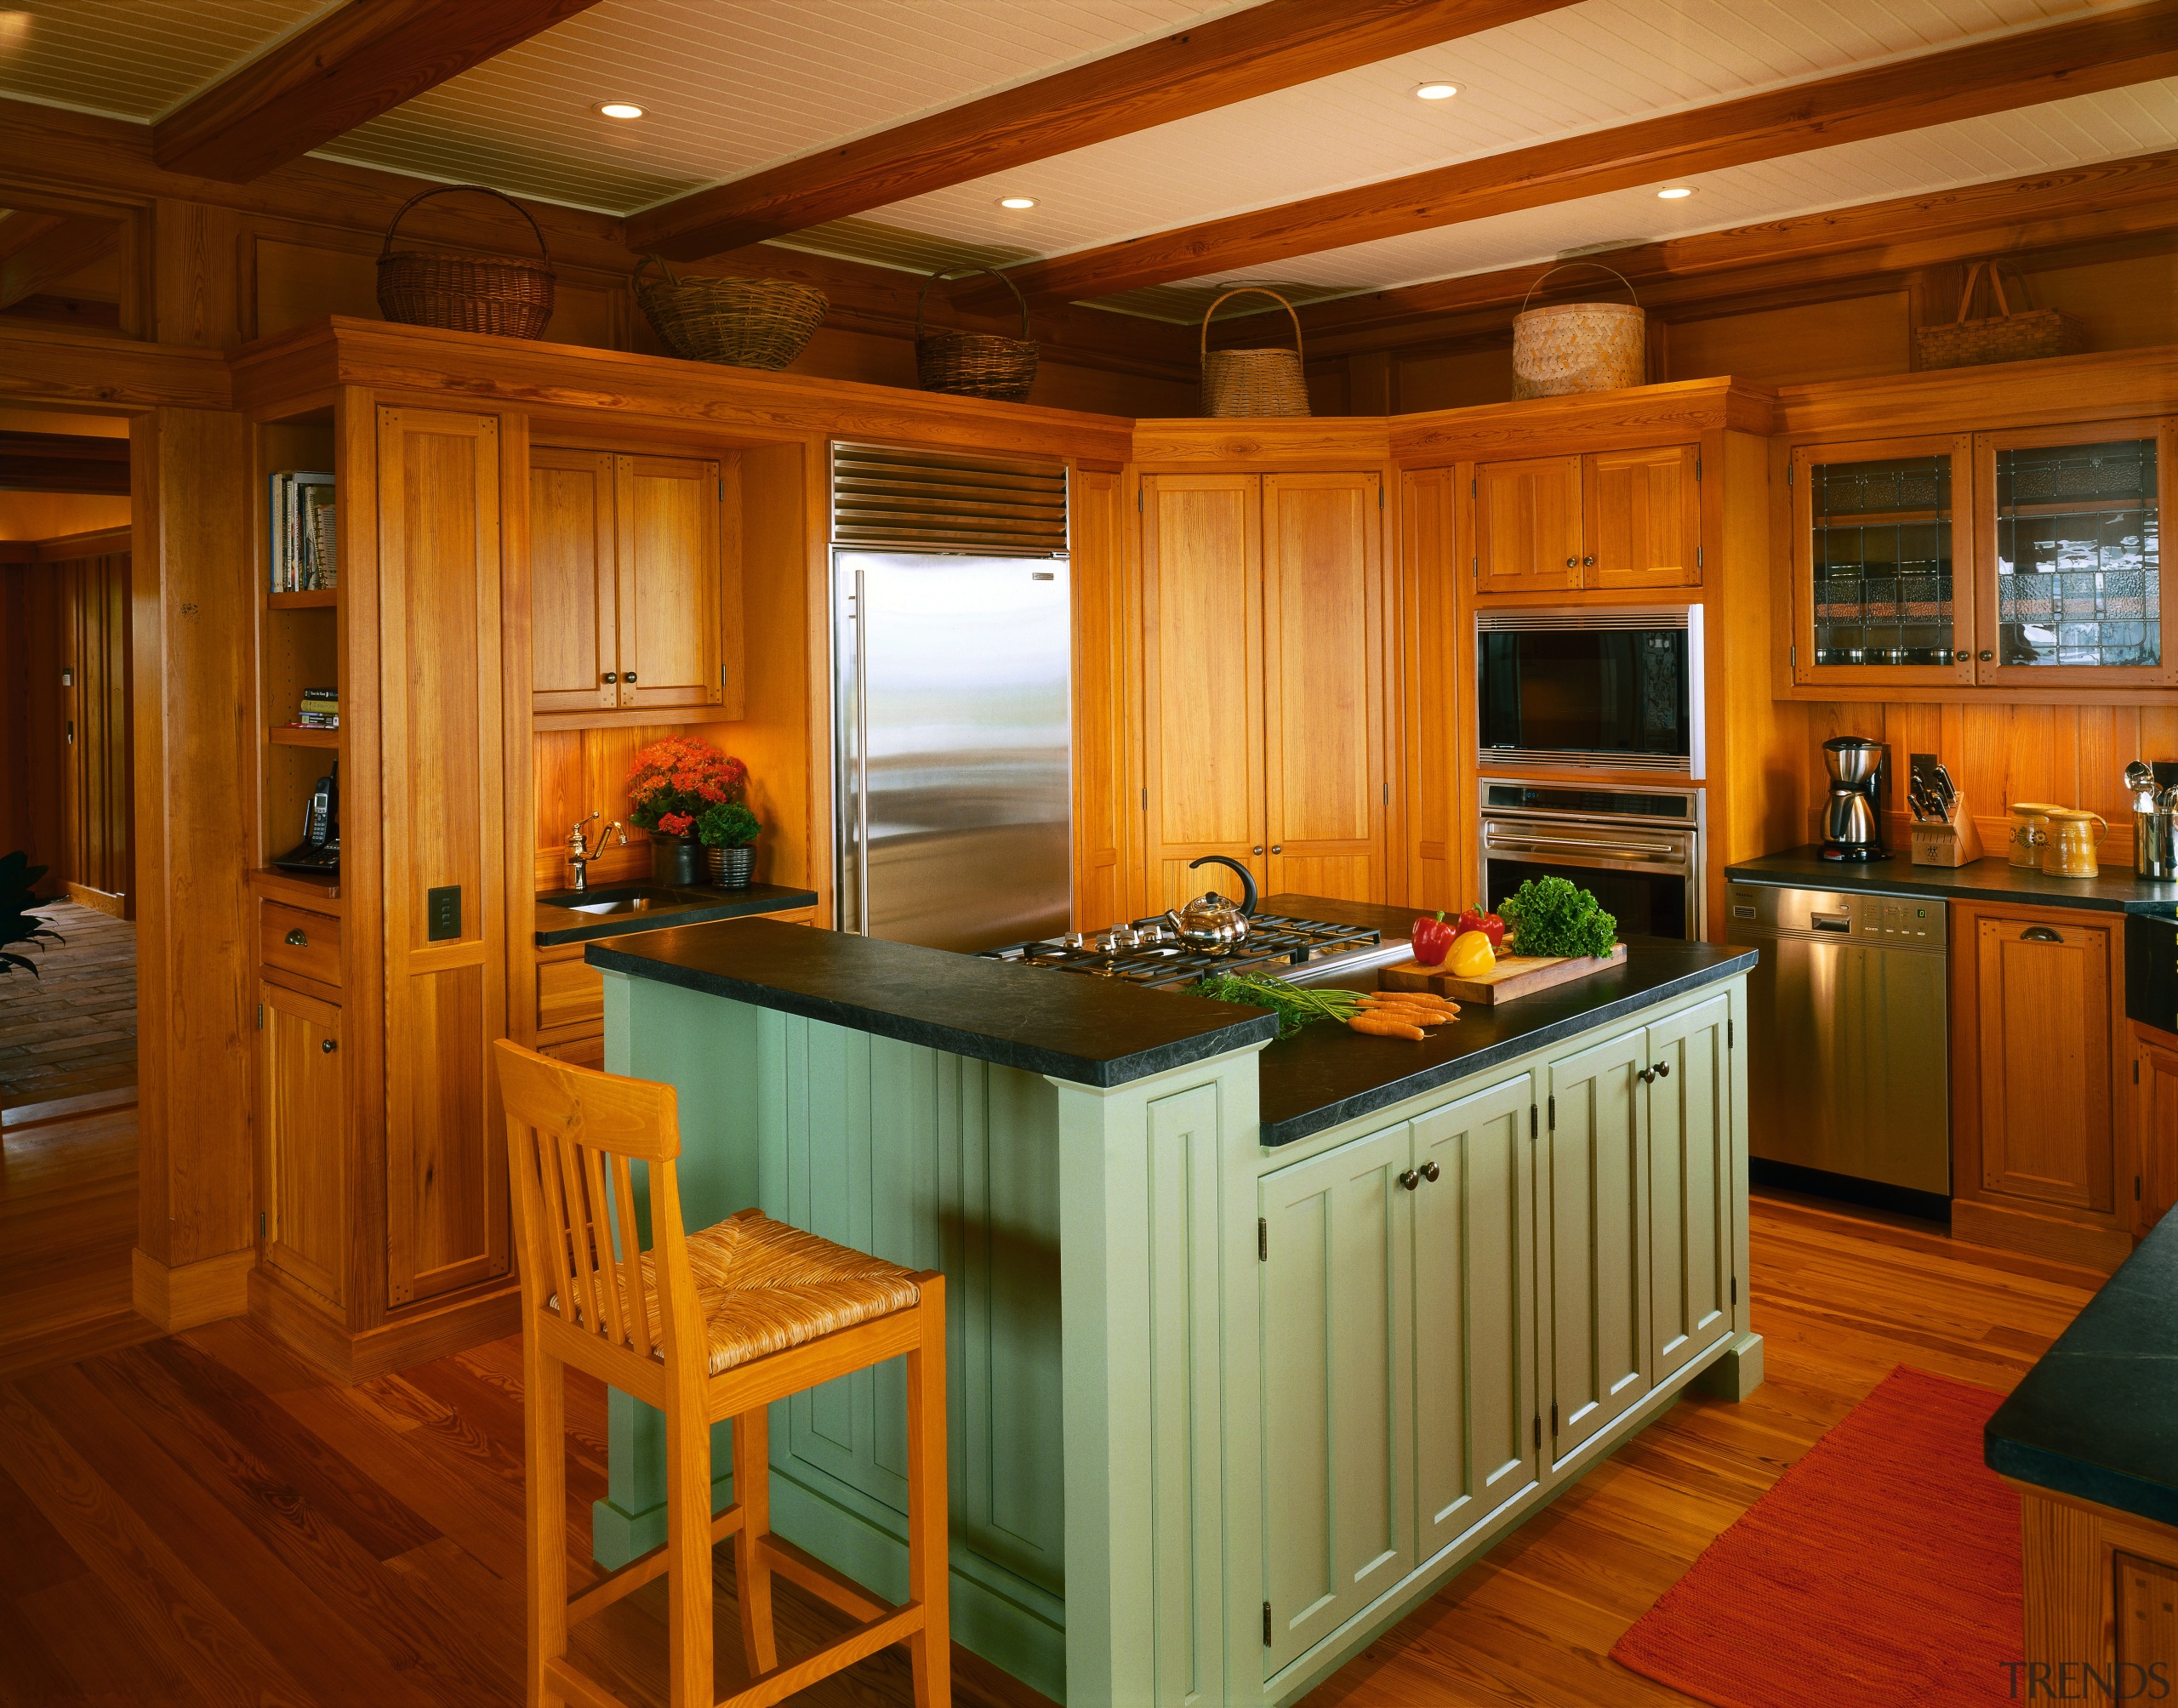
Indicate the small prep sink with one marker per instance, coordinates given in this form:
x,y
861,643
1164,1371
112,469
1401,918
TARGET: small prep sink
x,y
627,898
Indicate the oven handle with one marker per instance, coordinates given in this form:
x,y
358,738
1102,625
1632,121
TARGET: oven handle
x,y
1661,849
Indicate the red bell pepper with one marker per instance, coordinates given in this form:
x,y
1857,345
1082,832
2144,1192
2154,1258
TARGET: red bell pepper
x,y
1432,941
1475,920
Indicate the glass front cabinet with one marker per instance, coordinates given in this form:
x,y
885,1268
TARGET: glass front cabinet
x,y
2020,559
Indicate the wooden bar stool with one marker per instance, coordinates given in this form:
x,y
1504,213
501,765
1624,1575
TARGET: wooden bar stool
x,y
703,1326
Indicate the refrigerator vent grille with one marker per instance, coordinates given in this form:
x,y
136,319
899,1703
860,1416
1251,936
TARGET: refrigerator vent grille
x,y
885,498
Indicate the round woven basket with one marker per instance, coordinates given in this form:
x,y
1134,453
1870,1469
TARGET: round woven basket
x,y
510,295
1253,382
1578,346
740,323
975,364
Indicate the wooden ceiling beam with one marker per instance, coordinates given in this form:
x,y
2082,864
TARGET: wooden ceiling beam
x,y
1270,46
40,249
2106,200
348,67
63,462
2104,50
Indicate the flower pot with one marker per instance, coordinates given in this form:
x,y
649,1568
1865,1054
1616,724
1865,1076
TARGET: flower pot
x,y
730,867
673,859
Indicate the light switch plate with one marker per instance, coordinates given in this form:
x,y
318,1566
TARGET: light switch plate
x,y
442,913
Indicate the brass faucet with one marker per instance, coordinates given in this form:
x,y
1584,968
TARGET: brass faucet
x,y
581,853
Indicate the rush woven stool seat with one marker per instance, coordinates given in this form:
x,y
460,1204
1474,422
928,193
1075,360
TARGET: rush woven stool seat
x,y
716,1323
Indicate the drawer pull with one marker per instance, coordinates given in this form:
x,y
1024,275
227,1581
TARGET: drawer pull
x,y
328,1044
296,939
2039,934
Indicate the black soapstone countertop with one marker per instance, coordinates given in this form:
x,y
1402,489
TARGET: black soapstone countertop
x,y
1097,1032
2097,1417
1324,1075
556,925
1993,878
1089,1030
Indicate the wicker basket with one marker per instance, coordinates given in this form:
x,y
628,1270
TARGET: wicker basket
x,y
741,323
1253,382
1578,346
975,364
2008,335
507,295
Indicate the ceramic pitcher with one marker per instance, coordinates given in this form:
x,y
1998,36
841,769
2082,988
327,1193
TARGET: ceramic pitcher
x,y
2030,829
2073,837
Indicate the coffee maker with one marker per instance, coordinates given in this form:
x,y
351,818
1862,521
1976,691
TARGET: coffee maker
x,y
1852,817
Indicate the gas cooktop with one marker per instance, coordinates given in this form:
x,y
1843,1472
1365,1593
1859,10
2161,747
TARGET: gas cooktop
x,y
1148,952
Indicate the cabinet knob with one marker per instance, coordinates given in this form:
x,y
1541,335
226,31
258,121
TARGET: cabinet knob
x,y
1430,1171
610,676
2039,934
328,1044
297,939
1587,563
1986,656
627,675
1664,1069
1572,562
1278,848
1258,849
1647,1076
1962,657
1409,1180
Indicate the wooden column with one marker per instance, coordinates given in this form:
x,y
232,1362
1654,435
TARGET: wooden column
x,y
194,617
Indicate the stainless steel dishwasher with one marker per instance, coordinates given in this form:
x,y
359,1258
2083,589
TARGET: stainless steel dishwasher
x,y
1850,1072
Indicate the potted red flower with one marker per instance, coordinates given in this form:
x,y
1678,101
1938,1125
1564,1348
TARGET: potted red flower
x,y
672,783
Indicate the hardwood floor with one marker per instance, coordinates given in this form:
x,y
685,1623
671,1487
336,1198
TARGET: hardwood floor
x,y
201,1520
71,1029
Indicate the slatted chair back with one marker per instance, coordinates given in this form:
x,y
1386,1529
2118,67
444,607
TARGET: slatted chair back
x,y
572,1133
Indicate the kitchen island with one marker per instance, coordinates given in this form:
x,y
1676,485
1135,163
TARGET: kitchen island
x,y
1229,1393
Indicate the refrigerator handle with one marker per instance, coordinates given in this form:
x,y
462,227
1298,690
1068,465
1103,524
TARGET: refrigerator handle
x,y
861,757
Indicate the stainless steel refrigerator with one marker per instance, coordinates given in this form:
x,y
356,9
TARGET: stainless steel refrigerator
x,y
953,715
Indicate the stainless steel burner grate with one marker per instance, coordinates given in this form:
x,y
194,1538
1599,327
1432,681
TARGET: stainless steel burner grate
x,y
1147,952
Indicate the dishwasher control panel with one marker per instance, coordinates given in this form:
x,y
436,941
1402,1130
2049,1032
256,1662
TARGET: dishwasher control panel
x,y
1915,921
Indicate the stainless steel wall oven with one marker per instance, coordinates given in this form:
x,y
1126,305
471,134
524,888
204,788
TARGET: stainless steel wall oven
x,y
1639,851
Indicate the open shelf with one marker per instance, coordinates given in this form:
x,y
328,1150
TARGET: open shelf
x,y
287,734
317,598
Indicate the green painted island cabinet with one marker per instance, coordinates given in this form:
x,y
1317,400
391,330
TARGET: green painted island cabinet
x,y
1249,1354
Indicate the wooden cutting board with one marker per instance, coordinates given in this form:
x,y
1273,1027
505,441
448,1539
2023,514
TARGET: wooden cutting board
x,y
1513,977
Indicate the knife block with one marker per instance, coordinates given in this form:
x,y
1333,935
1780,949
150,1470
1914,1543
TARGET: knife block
x,y
1951,841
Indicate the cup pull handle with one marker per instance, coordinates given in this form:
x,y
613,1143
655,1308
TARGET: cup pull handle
x,y
2039,934
296,939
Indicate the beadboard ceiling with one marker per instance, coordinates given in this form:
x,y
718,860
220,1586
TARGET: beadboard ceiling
x,y
733,86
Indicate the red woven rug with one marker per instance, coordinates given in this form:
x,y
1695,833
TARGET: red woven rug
x,y
1882,1569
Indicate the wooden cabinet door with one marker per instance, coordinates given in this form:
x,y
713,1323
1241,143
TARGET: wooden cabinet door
x,y
667,528
302,1126
441,765
1203,677
1644,512
1690,1185
2155,1124
573,581
1592,1215
1474,1394
2043,1048
1323,620
1527,525
1337,1295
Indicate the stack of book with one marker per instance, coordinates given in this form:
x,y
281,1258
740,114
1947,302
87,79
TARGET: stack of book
x,y
304,539
320,710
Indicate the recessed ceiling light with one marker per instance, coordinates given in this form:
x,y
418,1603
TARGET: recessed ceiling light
x,y
1017,202
1677,192
1436,92
620,109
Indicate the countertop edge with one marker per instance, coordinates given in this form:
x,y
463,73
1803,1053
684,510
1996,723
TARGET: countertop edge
x,y
1106,1075
1276,1135
630,924
2084,1479
1899,876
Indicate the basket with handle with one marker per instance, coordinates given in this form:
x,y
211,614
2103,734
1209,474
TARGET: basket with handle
x,y
1578,346
2009,335
975,364
1253,382
739,323
508,294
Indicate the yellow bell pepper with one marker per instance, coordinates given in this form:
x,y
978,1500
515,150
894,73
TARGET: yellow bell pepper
x,y
1471,956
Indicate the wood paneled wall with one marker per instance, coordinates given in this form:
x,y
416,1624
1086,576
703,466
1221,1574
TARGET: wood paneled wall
x,y
100,811
2073,755
33,752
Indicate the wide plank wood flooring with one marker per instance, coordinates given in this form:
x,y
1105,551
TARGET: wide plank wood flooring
x,y
201,1520
71,1029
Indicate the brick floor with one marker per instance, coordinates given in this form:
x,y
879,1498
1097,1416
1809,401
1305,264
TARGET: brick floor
x,y
71,1029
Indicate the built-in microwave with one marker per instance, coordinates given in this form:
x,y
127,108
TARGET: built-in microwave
x,y
1591,688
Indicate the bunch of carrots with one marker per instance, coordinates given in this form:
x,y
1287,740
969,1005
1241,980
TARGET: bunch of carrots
x,y
1403,1013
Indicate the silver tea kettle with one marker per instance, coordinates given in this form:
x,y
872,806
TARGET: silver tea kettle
x,y
1210,921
